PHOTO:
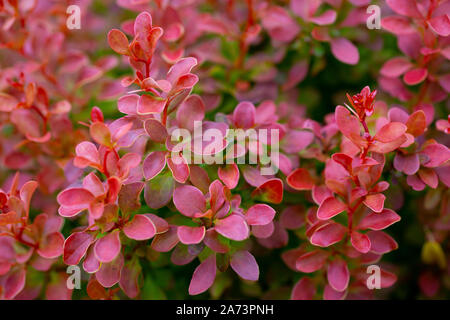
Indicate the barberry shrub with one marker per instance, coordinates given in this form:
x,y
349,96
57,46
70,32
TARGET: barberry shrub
x,y
339,186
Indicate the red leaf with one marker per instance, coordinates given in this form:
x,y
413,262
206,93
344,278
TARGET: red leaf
x,y
329,208
375,201
270,191
118,41
390,132
416,123
300,179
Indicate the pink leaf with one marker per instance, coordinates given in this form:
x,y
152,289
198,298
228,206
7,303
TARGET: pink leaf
x,y
304,289
437,154
91,263
183,66
328,17
139,228
398,25
161,225
75,197
390,132
329,208
109,273
296,74
311,261
381,242
244,115
7,102
143,24
395,67
156,131
148,104
57,289
349,126
191,235
245,265
14,283
203,276
128,103
415,76
338,274
375,201
213,241
379,221
129,278
293,217
153,164
75,247
260,214
233,227
229,174
440,25
344,51
179,168
330,294
328,234
429,176
165,242
360,242
159,191
405,8
409,164
107,248
295,140
181,256
191,110
189,200
51,246
100,133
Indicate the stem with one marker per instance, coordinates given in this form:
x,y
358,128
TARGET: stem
x,y
164,116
